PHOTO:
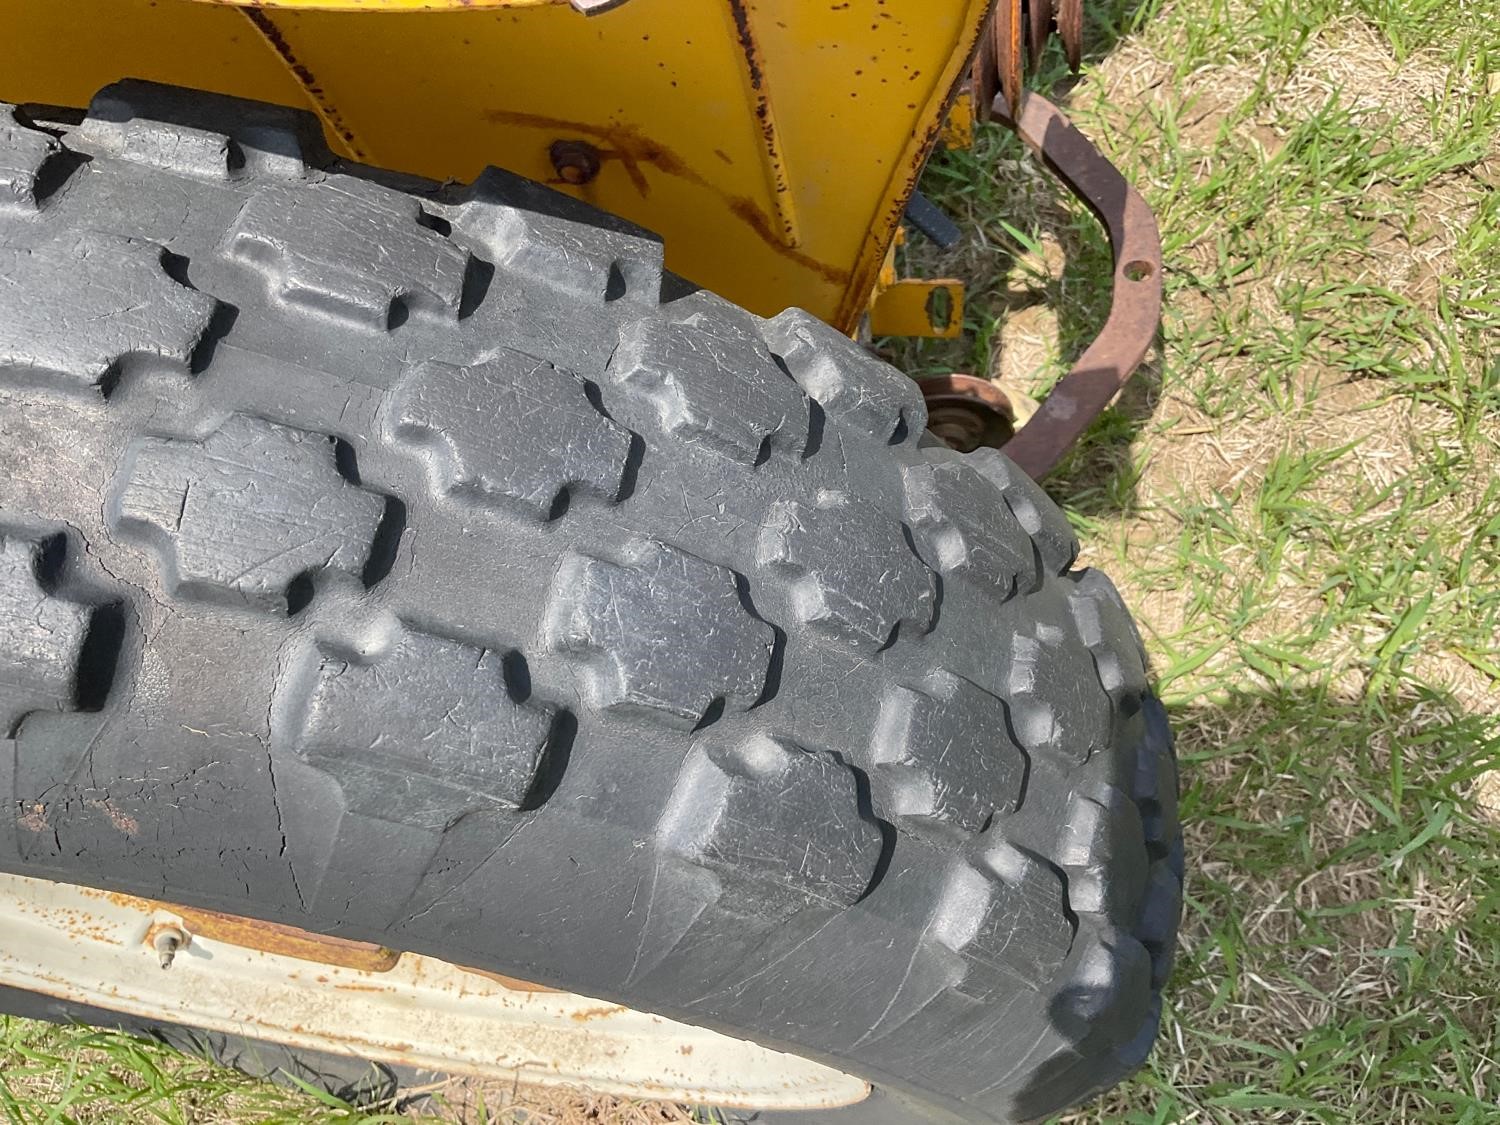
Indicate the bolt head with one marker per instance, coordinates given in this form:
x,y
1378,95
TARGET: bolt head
x,y
575,162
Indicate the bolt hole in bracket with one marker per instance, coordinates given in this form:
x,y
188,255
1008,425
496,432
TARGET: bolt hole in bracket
x,y
1135,304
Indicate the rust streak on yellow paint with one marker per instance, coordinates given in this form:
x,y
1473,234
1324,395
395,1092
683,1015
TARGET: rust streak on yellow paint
x,y
632,148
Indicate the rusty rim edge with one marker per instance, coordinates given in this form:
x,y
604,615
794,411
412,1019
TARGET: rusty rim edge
x,y
1135,303
961,387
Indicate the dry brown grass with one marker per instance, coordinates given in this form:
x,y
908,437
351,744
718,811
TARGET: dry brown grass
x,y
475,1101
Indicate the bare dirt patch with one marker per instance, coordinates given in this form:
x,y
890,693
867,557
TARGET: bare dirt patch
x,y
475,1101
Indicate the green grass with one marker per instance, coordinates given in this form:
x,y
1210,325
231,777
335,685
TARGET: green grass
x,y
60,1075
1300,495
1301,499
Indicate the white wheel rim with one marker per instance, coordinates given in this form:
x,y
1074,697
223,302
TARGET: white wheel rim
x,y
91,947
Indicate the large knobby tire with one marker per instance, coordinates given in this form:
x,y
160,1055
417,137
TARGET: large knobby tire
x,y
422,564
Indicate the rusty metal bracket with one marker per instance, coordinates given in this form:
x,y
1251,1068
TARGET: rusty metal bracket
x,y
1135,307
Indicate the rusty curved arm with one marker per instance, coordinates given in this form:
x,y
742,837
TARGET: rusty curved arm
x,y
1135,307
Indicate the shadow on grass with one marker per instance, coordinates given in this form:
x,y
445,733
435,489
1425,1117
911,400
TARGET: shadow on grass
x,y
1340,950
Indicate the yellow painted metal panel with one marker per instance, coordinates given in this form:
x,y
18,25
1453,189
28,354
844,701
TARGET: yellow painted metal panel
x,y
866,87
771,142
59,52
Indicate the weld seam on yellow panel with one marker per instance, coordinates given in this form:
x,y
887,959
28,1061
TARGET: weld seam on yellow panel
x,y
334,123
772,159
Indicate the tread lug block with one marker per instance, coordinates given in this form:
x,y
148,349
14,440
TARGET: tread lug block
x,y
1109,988
41,637
533,230
311,242
1098,1015
79,307
1161,910
1106,628
711,381
954,509
1056,704
418,734
509,432
780,826
857,595
669,633
1131,1054
23,154
236,517
943,754
112,128
1102,850
1043,520
847,381
1155,783
221,136
1008,919
1108,621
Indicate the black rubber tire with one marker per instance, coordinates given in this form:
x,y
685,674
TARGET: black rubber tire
x,y
422,564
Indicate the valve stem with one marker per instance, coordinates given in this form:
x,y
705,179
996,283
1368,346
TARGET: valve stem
x,y
167,943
